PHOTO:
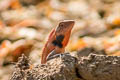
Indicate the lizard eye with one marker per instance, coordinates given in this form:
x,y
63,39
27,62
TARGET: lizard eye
x,y
61,25
60,28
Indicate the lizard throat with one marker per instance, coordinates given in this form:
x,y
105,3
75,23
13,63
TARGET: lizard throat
x,y
58,41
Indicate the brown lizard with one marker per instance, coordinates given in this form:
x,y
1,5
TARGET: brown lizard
x,y
57,40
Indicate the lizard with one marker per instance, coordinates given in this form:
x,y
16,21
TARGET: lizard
x,y
57,40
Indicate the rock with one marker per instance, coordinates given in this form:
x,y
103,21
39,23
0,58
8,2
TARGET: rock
x,y
67,67
99,67
87,51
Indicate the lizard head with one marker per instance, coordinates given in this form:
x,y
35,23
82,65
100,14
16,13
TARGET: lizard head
x,y
65,26
63,32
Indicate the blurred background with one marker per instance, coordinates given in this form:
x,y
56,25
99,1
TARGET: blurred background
x,y
25,25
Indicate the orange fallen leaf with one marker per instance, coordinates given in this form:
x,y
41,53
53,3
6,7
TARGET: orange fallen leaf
x,y
107,44
4,48
117,53
117,32
1,24
15,4
116,21
26,23
78,45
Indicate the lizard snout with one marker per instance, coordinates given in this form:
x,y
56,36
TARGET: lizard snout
x,y
69,23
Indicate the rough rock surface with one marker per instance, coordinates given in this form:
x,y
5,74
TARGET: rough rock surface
x,y
99,67
67,67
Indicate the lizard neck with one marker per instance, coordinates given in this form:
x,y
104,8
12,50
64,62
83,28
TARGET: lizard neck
x,y
59,50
